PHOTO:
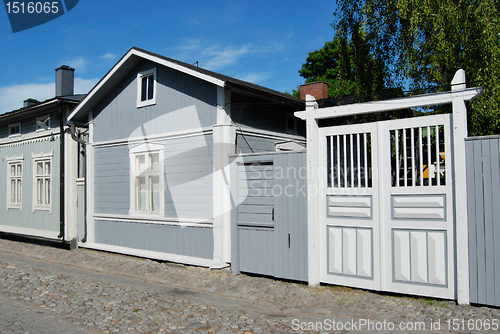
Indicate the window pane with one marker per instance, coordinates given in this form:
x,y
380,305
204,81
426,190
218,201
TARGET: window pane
x,y
19,169
140,163
12,170
155,193
18,191
151,82
39,191
47,191
144,88
47,168
13,191
142,194
39,168
154,161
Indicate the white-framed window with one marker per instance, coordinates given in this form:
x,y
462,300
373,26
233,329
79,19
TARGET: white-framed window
x,y
291,123
147,180
42,181
14,182
15,129
43,123
146,88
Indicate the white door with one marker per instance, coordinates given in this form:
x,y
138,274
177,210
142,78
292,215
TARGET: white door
x,y
386,206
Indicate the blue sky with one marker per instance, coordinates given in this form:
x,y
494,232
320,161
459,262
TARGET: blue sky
x,y
263,42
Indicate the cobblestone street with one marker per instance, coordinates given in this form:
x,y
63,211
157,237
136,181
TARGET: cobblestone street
x,y
50,290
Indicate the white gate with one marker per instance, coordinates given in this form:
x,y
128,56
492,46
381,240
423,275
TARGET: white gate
x,y
388,206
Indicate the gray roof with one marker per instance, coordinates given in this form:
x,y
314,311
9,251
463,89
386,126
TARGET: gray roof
x,y
135,55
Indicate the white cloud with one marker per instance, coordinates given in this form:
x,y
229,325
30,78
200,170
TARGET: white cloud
x,y
12,97
83,86
224,57
254,77
108,56
78,64
216,57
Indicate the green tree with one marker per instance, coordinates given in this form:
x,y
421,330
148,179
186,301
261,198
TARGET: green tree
x,y
424,42
346,66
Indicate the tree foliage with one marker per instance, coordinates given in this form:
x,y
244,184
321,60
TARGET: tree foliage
x,y
347,67
424,42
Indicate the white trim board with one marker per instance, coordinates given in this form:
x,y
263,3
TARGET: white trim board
x,y
190,260
30,232
154,138
394,104
158,220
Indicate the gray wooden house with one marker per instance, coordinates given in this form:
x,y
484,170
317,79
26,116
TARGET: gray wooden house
x,y
161,136
39,166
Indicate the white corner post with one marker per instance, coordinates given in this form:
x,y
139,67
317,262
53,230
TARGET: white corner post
x,y
224,142
313,191
459,126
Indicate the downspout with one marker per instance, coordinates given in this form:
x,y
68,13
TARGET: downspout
x,y
72,132
62,223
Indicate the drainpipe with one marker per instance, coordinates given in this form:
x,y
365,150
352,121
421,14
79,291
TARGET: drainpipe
x,y
62,204
72,131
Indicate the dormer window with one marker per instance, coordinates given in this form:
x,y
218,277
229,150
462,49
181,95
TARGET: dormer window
x,y
146,88
14,129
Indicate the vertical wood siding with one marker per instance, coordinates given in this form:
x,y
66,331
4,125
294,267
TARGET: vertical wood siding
x,y
196,241
483,197
182,103
27,218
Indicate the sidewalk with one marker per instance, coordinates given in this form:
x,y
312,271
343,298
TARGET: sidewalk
x,y
277,297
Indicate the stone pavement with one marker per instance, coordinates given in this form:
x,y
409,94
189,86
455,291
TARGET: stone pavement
x,y
50,290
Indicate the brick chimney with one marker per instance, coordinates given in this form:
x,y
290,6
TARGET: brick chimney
x,y
317,89
65,81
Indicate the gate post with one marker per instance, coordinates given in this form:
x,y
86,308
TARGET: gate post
x,y
459,127
313,191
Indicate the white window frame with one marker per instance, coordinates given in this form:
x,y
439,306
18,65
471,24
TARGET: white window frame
x,y
13,125
16,161
46,193
146,150
140,76
42,119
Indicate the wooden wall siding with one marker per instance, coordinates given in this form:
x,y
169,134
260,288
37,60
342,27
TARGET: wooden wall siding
x,y
273,246
112,180
188,178
27,218
183,102
172,239
188,166
254,144
483,196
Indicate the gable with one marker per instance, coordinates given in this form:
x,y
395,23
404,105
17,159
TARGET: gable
x,y
182,102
